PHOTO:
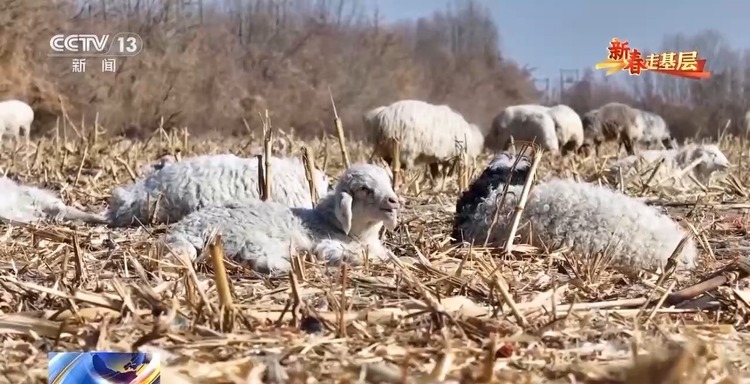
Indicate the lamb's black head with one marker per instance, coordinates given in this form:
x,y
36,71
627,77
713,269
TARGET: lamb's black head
x,y
499,171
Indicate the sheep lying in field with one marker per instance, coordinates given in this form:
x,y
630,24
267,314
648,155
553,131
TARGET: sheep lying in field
x,y
613,121
568,127
339,228
527,122
186,186
427,134
655,131
587,218
160,163
709,157
27,205
15,119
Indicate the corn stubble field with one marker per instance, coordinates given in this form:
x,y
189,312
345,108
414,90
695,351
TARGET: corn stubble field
x,y
476,315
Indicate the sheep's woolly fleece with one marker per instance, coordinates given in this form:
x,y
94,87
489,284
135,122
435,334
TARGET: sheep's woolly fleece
x,y
587,218
527,122
181,188
712,160
655,131
611,122
568,126
24,204
426,132
260,234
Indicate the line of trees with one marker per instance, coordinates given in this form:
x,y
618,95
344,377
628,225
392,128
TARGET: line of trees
x,y
209,65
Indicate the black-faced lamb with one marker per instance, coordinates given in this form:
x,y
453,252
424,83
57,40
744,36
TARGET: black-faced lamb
x,y
709,159
612,121
568,127
161,162
260,234
15,119
25,204
427,134
655,131
526,122
587,218
171,193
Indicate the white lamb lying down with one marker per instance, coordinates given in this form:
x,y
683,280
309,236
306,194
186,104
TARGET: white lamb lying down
x,y
339,228
588,218
710,156
26,205
213,180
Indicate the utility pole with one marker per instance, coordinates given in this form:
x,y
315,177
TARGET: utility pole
x,y
567,76
546,81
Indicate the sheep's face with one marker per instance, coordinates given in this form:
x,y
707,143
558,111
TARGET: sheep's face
x,y
501,168
713,159
588,121
670,143
366,195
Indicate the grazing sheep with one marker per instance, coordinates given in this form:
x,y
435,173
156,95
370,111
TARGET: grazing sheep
x,y
427,134
587,218
613,121
15,119
655,130
24,204
341,227
527,122
194,183
710,158
568,127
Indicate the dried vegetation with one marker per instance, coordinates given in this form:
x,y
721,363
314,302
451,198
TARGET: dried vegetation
x,y
459,315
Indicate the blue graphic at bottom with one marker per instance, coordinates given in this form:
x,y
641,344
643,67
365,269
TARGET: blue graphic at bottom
x,y
103,367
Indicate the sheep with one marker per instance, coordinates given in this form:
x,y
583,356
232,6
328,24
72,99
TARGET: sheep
x,y
160,163
427,134
655,130
260,234
188,185
747,122
526,122
709,159
613,121
26,205
587,218
15,119
568,127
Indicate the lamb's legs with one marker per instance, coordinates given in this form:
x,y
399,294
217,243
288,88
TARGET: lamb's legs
x,y
71,213
628,143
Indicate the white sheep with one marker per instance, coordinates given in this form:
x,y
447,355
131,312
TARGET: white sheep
x,y
587,218
427,134
344,225
186,186
655,131
612,121
709,159
15,119
526,122
568,127
25,204
747,122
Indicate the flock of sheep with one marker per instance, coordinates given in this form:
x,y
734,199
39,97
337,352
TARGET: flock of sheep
x,y
203,194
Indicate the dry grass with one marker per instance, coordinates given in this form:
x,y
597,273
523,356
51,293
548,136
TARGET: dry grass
x,y
554,320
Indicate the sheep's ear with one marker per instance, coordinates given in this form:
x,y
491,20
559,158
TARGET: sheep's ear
x,y
343,210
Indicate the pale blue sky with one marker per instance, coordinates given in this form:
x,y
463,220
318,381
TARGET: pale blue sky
x,y
574,34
